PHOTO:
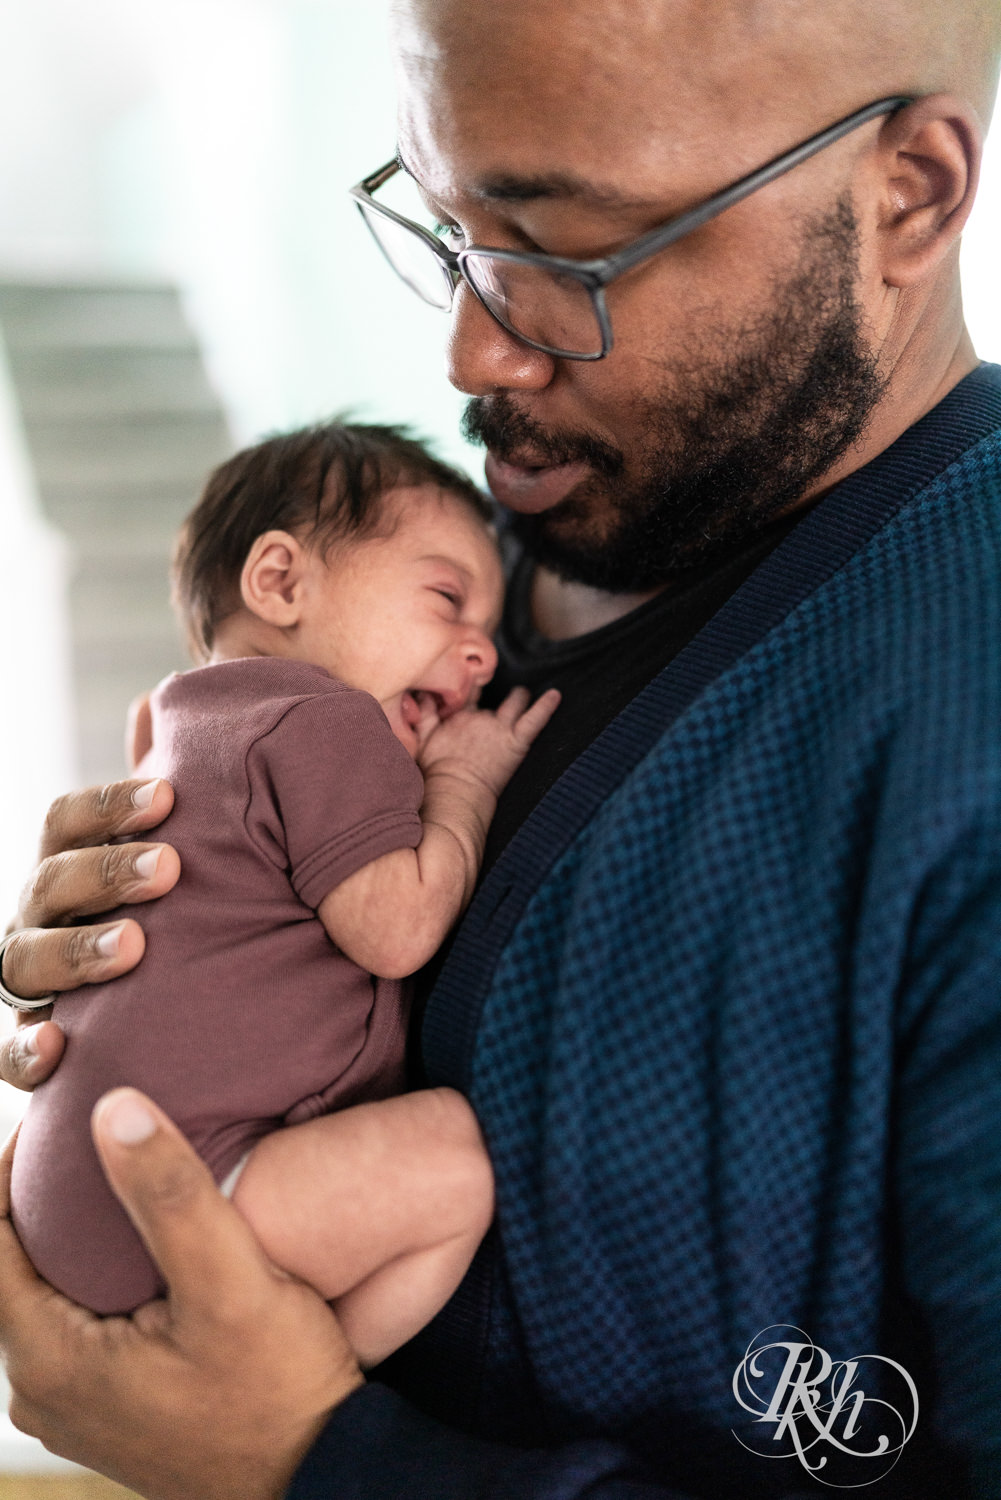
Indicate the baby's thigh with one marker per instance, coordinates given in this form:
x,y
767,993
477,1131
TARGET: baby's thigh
x,y
388,1171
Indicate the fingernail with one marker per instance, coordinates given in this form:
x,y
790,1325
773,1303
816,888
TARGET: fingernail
x,y
29,1041
107,943
145,865
129,1121
143,795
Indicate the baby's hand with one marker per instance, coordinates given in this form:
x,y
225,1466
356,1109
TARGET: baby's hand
x,y
487,745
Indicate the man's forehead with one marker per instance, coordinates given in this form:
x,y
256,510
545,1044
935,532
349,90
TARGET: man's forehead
x,y
487,112
675,72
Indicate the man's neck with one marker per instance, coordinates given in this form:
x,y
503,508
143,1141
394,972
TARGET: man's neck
x,y
562,610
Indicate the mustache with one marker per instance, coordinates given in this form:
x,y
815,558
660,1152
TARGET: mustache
x,y
497,423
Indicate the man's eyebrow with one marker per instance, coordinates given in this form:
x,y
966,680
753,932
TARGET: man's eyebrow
x,y
507,188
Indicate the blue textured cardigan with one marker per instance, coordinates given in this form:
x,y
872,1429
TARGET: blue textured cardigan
x,y
729,1011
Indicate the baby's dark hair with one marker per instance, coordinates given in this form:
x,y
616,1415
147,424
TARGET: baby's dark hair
x,y
323,484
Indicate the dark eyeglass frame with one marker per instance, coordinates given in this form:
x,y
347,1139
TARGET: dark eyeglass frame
x,y
595,275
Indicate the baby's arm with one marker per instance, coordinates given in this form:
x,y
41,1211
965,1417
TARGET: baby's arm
x,y
392,915
379,1207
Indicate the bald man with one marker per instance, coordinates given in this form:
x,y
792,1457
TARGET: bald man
x,y
726,1003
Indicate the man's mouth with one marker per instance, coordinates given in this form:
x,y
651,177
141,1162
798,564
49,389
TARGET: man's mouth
x,y
530,488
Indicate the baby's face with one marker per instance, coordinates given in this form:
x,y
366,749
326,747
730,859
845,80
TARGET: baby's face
x,y
411,612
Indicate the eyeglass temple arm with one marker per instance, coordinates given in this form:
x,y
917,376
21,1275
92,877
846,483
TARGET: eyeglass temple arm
x,y
665,234
369,185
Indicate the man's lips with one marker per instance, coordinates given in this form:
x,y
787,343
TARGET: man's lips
x,y
529,490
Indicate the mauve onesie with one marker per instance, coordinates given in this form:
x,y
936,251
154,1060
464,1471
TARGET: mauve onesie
x,y
243,1015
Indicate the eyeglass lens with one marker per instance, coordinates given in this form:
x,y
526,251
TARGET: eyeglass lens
x,y
549,309
543,306
412,260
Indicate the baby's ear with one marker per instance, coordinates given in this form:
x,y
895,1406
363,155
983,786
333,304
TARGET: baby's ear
x,y
272,577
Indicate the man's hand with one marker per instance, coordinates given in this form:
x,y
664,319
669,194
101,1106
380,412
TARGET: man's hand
x,y
79,875
215,1393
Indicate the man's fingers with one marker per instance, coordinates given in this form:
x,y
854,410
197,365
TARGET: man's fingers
x,y
98,813
83,882
42,961
29,1055
206,1251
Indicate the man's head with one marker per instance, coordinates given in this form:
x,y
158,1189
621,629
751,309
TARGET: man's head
x,y
767,353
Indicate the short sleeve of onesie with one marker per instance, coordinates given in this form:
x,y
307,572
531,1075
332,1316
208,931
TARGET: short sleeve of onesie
x,y
331,789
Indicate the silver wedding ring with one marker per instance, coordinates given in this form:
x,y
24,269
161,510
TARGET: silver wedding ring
x,y
17,1002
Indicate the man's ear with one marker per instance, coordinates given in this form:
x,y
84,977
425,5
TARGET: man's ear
x,y
271,584
930,164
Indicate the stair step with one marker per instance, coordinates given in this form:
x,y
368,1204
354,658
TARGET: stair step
x,y
107,549
126,617
123,428
56,385
178,451
111,509
102,710
118,679
102,650
98,316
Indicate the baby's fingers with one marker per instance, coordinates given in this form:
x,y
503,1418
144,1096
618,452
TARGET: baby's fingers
x,y
533,720
514,705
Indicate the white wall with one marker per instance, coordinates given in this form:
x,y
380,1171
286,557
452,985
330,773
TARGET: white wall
x,y
981,281
212,141
35,763
35,759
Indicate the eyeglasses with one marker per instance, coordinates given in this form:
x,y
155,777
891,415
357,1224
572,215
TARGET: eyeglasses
x,y
550,302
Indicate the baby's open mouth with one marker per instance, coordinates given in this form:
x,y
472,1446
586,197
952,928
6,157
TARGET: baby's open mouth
x,y
410,709
414,703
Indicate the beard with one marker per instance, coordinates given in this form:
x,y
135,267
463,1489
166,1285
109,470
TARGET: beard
x,y
732,444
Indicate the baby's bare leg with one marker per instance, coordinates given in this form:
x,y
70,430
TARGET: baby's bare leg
x,y
380,1207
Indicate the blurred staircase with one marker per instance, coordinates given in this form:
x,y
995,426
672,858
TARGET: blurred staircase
x,y
122,427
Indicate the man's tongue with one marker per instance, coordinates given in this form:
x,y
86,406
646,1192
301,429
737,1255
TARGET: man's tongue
x,y
526,489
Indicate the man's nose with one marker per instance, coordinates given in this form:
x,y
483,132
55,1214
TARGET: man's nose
x,y
482,357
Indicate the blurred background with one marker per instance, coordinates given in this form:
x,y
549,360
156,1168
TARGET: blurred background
x,y
181,271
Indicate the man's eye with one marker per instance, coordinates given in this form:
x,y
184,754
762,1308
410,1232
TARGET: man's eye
x,y
451,234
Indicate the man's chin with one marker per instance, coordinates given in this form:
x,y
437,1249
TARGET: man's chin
x,y
566,545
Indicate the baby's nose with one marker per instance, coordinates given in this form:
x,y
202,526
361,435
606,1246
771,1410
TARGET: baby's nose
x,y
480,655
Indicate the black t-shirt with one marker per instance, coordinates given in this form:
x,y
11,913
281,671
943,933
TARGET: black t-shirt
x,y
598,673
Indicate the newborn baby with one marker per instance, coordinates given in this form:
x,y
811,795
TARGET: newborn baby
x,y
334,782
